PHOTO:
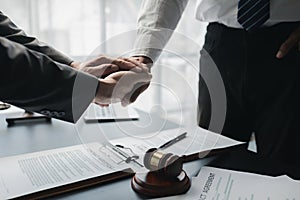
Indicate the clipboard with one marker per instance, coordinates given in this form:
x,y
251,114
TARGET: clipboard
x,y
51,172
95,181
108,178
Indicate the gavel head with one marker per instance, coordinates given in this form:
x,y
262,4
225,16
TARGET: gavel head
x,y
166,164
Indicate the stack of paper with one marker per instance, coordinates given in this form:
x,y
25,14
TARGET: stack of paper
x,y
213,184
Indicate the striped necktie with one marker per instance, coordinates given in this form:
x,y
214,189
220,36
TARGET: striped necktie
x,y
253,13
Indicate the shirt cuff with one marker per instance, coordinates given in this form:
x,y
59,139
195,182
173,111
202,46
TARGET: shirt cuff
x,y
153,54
151,41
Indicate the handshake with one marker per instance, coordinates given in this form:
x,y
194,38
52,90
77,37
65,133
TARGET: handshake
x,y
120,80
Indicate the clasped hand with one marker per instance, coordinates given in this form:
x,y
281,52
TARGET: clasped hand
x,y
118,78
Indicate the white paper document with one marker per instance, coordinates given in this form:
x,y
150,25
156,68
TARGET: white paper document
x,y
33,172
196,140
111,112
220,184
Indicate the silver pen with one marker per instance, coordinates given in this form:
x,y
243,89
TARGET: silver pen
x,y
173,141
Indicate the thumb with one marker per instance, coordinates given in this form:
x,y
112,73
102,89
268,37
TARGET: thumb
x,y
292,41
285,48
131,96
143,77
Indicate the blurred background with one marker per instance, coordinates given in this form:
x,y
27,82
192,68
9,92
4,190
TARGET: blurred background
x,y
78,27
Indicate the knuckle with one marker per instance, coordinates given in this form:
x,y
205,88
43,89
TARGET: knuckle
x,y
118,61
109,65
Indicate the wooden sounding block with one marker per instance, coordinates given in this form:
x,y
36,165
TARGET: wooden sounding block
x,y
153,185
165,177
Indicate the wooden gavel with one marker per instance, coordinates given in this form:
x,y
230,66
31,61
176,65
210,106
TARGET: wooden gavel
x,y
165,177
166,164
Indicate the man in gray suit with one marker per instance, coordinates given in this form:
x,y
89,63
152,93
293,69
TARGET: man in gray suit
x,y
38,78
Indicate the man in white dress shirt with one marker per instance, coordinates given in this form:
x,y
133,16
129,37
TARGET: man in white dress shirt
x,y
255,45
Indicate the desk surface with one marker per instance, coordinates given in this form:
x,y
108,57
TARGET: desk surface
x,y
31,137
20,139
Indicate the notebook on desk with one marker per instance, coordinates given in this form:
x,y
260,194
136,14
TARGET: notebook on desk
x,y
51,172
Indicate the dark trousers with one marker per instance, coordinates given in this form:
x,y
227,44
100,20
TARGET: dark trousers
x,y
262,92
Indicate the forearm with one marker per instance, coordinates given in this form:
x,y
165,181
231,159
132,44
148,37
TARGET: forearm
x,y
13,33
34,82
156,23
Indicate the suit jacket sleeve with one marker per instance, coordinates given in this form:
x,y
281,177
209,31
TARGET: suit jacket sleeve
x,y
33,81
10,31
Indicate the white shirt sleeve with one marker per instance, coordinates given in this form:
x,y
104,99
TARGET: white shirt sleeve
x,y
156,23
